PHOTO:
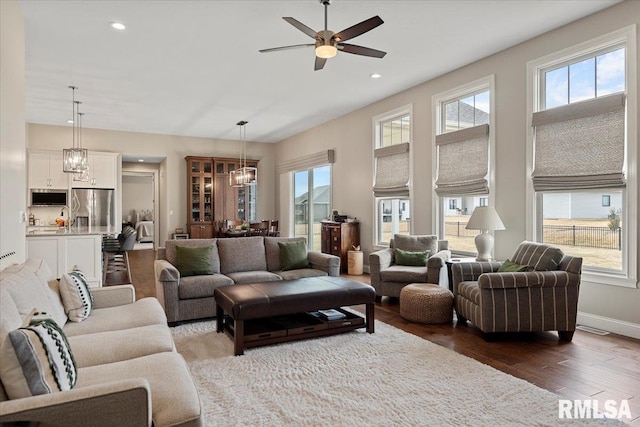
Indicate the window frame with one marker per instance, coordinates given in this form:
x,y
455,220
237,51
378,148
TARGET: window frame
x,y
437,102
377,123
628,276
310,206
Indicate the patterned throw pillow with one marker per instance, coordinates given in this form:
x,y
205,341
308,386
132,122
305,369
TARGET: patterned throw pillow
x,y
76,296
37,359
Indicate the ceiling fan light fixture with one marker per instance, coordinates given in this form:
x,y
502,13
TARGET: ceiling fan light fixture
x,y
326,51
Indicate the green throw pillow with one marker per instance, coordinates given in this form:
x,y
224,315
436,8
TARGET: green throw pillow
x,y
194,261
293,255
411,258
512,267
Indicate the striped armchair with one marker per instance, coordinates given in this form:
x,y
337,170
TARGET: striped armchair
x,y
543,298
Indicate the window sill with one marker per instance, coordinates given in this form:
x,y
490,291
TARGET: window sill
x,y
611,279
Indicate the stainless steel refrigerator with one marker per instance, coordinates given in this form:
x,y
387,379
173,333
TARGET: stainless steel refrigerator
x,y
93,207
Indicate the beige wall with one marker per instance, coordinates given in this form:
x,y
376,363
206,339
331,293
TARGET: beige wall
x,y
609,307
13,176
173,183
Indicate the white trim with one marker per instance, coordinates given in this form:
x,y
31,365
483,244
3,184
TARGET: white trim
x,y
533,214
154,174
376,120
437,100
616,326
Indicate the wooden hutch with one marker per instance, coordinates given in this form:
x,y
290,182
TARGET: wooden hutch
x,y
210,198
337,238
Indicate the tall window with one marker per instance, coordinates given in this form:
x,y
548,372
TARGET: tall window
x,y
312,203
392,175
580,153
463,161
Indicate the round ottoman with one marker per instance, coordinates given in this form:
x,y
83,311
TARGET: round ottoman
x,y
426,303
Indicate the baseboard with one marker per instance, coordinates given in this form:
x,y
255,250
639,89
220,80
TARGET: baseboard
x,y
615,326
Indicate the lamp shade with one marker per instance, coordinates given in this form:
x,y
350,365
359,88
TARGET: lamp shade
x,y
485,218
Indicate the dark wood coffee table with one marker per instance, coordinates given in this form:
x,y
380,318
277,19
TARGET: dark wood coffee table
x,y
274,312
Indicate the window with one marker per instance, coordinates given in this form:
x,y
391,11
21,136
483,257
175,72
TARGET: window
x,y
580,144
312,203
463,125
392,138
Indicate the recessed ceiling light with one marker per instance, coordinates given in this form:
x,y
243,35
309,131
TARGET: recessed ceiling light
x,y
70,121
141,160
376,76
117,25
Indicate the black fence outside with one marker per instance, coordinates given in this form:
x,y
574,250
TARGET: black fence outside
x,y
569,235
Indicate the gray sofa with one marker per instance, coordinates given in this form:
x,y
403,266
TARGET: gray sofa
x,y
129,373
234,261
388,278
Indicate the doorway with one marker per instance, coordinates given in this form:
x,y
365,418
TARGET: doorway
x,y
140,206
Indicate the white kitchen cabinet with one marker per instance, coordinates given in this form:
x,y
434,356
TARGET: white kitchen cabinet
x,y
45,170
64,252
103,171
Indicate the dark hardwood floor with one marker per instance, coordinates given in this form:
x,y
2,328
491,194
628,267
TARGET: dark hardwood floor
x,y
589,367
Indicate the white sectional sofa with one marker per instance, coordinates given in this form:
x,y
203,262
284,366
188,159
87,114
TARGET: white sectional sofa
x,y
129,373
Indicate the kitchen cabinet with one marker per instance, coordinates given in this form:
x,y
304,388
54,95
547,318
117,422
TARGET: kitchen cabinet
x,y
64,252
337,238
103,171
45,170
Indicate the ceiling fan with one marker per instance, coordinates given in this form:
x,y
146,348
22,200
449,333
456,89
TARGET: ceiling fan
x,y
328,43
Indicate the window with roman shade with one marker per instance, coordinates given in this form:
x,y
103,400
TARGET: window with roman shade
x,y
463,162
392,171
307,162
581,145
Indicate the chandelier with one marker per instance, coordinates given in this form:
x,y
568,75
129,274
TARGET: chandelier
x,y
244,175
82,176
75,159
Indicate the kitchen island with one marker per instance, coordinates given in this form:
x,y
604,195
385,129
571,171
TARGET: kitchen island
x,y
66,248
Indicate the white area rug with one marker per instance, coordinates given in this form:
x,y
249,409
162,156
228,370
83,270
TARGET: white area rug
x,y
390,378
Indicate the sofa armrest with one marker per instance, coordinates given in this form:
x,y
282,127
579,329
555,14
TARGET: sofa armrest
x,y
378,261
121,403
165,271
470,271
167,282
436,266
529,279
111,296
325,262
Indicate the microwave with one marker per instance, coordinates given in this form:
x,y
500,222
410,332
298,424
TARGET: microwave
x,y
48,197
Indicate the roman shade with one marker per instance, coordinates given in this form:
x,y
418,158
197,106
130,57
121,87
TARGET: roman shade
x,y
307,162
580,146
463,162
392,171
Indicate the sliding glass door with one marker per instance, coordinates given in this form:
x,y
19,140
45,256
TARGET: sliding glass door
x,y
312,203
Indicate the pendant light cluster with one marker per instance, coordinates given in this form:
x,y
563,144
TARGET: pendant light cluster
x,y
244,175
75,159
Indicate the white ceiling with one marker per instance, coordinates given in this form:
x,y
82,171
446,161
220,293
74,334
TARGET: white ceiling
x,y
193,68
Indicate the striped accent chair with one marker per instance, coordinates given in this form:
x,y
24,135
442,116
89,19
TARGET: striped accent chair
x,y
542,298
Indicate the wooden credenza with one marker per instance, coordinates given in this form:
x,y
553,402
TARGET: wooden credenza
x,y
338,238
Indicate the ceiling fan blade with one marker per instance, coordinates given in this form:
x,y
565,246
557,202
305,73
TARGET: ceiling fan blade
x,y
299,25
361,50
293,46
358,29
319,63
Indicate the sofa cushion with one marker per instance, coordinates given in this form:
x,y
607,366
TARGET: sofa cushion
x,y
170,250
50,282
144,312
469,290
116,346
194,261
253,277
10,318
37,359
174,398
242,254
300,273
293,255
411,258
538,256
416,243
201,286
272,250
404,274
76,296
26,290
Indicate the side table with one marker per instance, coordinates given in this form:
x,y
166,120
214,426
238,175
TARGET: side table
x,y
179,236
452,261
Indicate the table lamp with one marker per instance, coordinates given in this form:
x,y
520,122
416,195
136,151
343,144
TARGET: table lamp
x,y
484,218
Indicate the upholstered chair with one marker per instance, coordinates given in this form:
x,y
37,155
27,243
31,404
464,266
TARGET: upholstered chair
x,y
388,277
541,297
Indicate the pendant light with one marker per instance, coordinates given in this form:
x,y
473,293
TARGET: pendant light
x,y
244,175
74,159
84,175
